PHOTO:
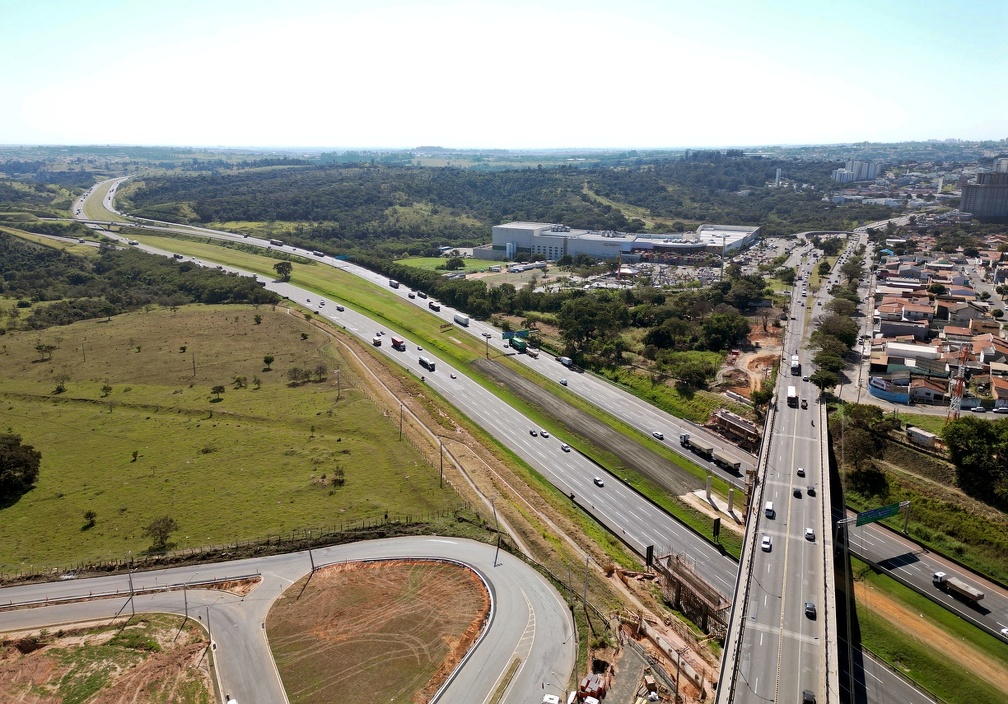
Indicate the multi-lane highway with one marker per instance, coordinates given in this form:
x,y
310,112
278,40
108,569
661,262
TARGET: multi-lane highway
x,y
626,513
530,622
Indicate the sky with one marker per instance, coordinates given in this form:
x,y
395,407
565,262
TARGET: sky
x,y
501,74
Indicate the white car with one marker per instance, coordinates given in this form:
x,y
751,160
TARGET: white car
x,y
599,482
766,544
565,447
544,433
810,534
658,435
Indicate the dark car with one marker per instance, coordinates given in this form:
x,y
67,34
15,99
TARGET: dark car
x,y
796,492
810,610
810,491
807,697
533,433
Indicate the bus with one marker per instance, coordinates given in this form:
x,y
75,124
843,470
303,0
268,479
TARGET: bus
x,y
277,243
427,364
398,343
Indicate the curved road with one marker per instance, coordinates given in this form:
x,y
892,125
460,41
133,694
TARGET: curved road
x,y
530,621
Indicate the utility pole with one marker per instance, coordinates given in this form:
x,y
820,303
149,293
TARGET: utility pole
x,y
132,605
338,389
497,527
585,598
400,419
441,481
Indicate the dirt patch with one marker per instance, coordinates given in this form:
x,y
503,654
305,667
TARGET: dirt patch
x,y
931,635
382,631
147,659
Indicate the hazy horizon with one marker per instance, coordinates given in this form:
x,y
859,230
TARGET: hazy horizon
x,y
557,75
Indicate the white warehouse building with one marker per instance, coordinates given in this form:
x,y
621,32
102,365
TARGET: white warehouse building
x,y
554,241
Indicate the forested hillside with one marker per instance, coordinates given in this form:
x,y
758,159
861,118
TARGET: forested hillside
x,y
58,288
365,204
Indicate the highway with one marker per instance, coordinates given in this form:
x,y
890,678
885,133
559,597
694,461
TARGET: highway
x,y
634,520
784,604
530,620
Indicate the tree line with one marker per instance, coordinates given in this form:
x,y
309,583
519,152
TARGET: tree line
x,y
63,288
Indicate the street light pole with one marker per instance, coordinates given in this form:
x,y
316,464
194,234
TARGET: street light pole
x,y
493,506
441,452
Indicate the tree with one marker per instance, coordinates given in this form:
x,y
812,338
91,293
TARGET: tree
x,y
268,360
454,264
979,450
841,306
19,466
90,517
786,275
824,379
722,330
106,390
283,270
824,268
937,289
219,389
159,530
257,318
858,446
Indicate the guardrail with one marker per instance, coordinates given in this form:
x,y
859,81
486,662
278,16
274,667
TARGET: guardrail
x,y
47,601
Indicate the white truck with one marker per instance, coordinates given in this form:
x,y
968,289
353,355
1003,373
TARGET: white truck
x,y
462,320
957,587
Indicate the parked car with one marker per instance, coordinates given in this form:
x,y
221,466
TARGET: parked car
x,y
978,409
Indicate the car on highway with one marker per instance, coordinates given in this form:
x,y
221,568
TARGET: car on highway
x,y
453,375
544,433
804,404
340,308
563,382
810,610
598,481
565,447
810,535
796,492
1004,632
658,435
810,490
411,295
804,378
533,433
766,545
800,472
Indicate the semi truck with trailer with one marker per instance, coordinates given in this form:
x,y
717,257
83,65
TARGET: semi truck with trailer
x,y
722,458
956,587
792,397
795,366
519,344
699,447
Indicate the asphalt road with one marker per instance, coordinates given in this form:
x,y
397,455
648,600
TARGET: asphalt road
x,y
530,622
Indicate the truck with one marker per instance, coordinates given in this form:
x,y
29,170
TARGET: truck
x,y
398,343
792,397
376,341
795,366
393,283
462,320
519,344
434,305
566,361
956,587
277,243
698,446
722,458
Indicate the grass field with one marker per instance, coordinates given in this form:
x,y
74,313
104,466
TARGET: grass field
x,y
433,264
378,632
245,466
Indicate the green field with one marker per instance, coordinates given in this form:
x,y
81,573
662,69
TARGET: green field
x,y
248,465
437,264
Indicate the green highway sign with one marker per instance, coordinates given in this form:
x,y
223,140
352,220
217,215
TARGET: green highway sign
x,y
521,333
877,514
507,335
